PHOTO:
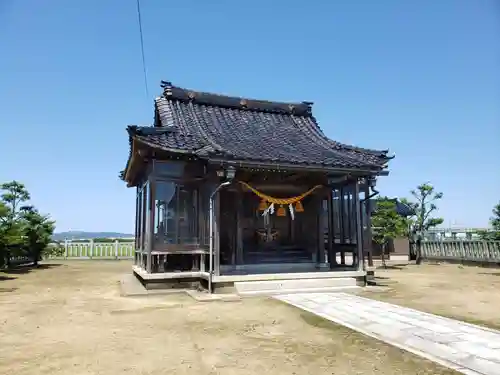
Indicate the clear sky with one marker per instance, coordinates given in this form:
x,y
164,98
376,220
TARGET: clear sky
x,y
421,78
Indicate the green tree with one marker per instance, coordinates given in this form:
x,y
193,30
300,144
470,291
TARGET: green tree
x,y
37,230
495,219
9,234
387,224
15,194
23,230
494,234
13,197
424,205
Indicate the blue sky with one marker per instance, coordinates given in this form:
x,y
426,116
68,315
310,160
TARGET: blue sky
x,y
421,78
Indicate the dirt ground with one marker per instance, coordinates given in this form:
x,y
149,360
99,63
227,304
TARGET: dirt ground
x,y
68,318
467,293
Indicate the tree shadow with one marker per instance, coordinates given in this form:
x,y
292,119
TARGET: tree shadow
x,y
27,268
5,278
7,290
391,267
490,274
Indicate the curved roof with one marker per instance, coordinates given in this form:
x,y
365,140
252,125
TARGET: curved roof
x,y
213,126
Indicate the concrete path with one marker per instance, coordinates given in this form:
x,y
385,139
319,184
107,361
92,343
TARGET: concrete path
x,y
461,346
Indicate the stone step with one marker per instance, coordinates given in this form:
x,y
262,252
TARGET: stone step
x,y
291,252
277,259
270,252
272,287
281,256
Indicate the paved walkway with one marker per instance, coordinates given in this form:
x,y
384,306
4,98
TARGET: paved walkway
x,y
461,346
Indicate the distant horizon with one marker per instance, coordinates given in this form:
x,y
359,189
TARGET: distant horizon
x,y
132,234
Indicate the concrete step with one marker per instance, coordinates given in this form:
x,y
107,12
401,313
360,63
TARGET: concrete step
x,y
293,291
272,287
277,259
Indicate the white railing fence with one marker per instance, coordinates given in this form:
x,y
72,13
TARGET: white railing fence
x,y
95,250
471,251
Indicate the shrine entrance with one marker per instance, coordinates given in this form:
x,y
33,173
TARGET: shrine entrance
x,y
252,236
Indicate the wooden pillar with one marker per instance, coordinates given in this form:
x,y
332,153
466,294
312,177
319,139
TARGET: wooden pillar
x,y
144,202
359,227
368,222
202,232
350,215
137,220
320,243
150,224
239,228
217,234
342,213
332,257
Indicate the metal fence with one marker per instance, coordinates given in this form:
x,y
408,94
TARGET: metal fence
x,y
471,251
96,250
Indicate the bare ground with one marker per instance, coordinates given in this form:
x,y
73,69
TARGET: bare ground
x,y
68,318
466,293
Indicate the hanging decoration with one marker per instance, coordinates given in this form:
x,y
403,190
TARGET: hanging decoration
x,y
262,205
268,203
299,207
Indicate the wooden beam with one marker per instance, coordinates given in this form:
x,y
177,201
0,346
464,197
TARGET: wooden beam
x,y
274,187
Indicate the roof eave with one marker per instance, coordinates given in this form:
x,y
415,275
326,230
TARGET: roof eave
x,y
291,166
166,149
126,172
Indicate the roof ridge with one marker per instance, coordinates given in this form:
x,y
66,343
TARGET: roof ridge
x,y
172,92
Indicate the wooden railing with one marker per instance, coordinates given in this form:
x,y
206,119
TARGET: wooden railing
x,y
470,251
96,250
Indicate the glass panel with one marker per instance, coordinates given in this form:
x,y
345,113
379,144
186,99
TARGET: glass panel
x,y
205,215
140,219
176,221
137,216
187,216
144,200
147,211
165,202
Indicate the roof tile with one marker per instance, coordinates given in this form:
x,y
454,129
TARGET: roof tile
x,y
210,125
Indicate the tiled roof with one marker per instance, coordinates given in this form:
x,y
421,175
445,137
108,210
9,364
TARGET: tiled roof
x,y
213,126
401,208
